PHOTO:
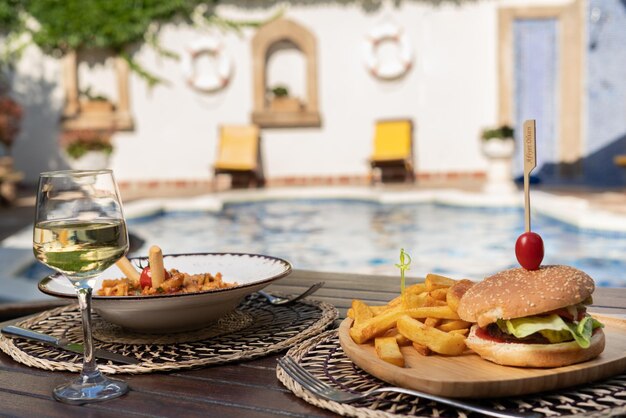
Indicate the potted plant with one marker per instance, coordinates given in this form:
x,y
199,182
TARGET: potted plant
x,y
95,103
498,145
10,122
282,102
498,142
88,149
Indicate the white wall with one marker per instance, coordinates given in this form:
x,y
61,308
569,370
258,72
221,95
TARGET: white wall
x,y
450,93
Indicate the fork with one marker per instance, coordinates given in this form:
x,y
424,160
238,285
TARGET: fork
x,y
277,300
321,389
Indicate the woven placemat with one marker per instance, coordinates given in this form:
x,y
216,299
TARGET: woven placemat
x,y
110,333
325,359
273,328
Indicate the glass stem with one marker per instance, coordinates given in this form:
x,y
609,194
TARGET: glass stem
x,y
84,301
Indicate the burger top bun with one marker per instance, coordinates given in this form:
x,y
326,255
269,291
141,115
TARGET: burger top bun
x,y
518,292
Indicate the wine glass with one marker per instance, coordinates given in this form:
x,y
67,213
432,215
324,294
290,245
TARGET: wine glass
x,y
80,231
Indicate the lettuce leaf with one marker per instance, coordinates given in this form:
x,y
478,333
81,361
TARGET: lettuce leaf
x,y
553,327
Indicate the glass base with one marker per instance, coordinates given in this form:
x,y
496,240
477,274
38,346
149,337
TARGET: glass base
x,y
90,388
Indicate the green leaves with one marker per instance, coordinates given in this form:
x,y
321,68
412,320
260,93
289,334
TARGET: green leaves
x,y
9,16
501,132
110,24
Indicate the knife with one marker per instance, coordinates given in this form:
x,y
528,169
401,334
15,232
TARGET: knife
x,y
13,331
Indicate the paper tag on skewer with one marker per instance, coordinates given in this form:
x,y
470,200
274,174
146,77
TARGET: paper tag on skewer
x,y
530,162
530,152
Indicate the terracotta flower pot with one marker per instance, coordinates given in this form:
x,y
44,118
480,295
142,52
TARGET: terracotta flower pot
x,y
285,104
96,106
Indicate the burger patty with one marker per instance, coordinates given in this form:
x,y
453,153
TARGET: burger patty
x,y
493,333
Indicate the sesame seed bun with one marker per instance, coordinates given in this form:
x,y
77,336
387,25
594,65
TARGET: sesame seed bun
x,y
517,292
535,355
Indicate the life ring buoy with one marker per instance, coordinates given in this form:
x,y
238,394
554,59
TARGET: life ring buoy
x,y
207,82
391,69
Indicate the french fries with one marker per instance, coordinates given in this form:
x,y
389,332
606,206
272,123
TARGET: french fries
x,y
400,339
376,325
453,325
424,319
443,312
361,311
432,322
451,344
420,348
435,281
387,349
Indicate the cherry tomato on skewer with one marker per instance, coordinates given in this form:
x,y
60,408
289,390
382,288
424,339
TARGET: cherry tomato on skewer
x,y
529,250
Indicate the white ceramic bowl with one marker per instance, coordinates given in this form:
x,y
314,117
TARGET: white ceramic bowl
x,y
184,311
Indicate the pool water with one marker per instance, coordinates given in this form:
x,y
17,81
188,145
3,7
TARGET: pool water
x,y
366,237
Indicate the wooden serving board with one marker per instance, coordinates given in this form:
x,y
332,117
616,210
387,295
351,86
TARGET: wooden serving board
x,y
469,376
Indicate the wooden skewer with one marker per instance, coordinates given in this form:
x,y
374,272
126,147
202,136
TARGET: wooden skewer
x,y
530,162
155,258
128,269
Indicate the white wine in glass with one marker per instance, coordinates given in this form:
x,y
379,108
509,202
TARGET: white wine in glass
x,y
80,231
77,248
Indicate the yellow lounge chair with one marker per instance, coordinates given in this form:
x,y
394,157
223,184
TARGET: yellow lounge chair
x,y
239,155
393,150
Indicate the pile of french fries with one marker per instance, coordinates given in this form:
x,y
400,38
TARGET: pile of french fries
x,y
424,316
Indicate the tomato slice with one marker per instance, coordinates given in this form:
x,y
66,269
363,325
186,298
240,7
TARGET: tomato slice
x,y
568,315
563,313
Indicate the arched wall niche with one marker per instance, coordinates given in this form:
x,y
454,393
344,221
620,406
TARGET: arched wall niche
x,y
276,33
97,115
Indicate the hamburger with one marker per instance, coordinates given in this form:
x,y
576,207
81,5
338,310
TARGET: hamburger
x,y
533,318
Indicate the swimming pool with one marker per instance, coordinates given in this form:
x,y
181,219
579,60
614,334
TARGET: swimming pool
x,y
366,237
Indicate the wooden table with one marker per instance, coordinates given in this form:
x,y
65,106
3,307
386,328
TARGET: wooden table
x,y
247,389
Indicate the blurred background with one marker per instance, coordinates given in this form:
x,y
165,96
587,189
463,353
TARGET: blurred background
x,y
391,101
157,79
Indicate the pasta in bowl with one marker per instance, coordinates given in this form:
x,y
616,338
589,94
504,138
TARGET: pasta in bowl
x,y
165,312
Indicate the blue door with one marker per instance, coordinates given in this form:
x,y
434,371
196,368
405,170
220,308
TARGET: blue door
x,y
536,90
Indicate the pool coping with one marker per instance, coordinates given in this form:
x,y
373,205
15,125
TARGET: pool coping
x,y
572,210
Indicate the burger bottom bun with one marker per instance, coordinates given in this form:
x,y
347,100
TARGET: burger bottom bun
x,y
535,355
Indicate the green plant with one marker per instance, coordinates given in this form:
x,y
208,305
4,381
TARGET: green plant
x,y
11,25
80,141
115,25
79,148
10,118
89,95
280,91
9,16
504,132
